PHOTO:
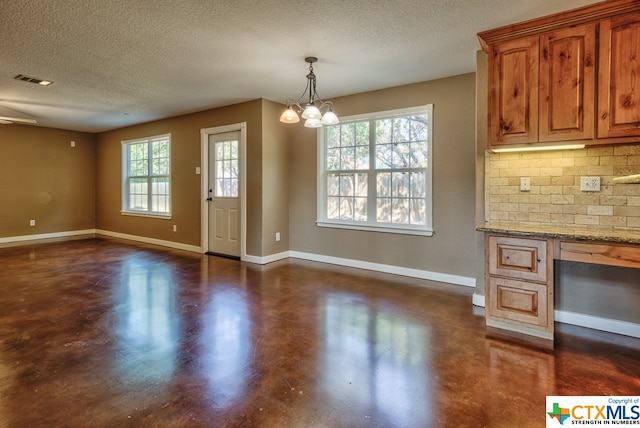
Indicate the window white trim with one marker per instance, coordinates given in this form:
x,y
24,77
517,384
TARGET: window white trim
x,y
398,229
124,175
372,224
162,216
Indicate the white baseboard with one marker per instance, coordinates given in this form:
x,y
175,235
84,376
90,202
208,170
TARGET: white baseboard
x,y
266,259
597,323
160,242
37,237
478,300
397,270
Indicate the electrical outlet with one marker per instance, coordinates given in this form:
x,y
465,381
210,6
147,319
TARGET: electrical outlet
x,y
32,222
590,184
277,236
73,143
525,184
175,227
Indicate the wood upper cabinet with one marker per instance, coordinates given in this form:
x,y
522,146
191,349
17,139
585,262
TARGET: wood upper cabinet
x,y
571,76
542,88
513,91
567,84
619,77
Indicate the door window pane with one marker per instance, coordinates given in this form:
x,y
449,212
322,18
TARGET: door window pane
x,y
226,169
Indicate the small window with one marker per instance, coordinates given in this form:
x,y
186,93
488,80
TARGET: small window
x,y
375,172
146,165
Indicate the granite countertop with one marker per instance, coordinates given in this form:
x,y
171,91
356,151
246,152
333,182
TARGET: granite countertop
x,y
583,233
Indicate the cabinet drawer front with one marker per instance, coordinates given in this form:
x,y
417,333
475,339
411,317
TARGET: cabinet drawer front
x,y
518,301
518,258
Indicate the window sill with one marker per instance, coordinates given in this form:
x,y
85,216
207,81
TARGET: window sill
x,y
148,215
396,230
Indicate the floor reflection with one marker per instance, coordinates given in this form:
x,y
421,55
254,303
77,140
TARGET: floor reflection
x,y
377,360
147,322
226,345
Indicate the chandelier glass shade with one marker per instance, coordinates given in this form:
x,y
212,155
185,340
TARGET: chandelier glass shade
x,y
312,111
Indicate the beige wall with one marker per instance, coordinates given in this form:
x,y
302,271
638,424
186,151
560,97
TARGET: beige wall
x,y
43,178
452,249
275,179
186,184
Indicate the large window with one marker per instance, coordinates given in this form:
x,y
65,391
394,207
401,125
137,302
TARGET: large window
x,y
375,172
146,176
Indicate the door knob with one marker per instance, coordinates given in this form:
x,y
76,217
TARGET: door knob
x,y
209,199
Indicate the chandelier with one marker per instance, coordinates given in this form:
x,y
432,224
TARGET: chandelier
x,y
312,111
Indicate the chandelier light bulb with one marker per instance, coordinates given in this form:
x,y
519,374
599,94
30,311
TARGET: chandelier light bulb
x,y
330,118
289,116
311,112
313,123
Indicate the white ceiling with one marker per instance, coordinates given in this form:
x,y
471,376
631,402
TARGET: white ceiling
x,y
120,62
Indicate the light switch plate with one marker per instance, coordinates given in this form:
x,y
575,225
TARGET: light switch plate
x,y
590,184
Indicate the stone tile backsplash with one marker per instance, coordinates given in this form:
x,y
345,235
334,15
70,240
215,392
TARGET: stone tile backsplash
x,y
555,196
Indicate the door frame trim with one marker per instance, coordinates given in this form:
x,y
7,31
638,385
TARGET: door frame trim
x,y
204,180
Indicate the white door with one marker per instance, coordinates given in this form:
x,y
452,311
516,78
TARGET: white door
x,y
224,197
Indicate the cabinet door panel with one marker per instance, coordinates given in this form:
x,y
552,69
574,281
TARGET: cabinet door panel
x,y
567,84
513,92
619,88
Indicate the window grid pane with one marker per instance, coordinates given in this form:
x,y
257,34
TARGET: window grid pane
x,y
401,197
138,195
347,147
402,142
160,194
138,160
160,156
347,196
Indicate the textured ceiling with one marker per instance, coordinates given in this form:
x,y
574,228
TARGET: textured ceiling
x,y
120,62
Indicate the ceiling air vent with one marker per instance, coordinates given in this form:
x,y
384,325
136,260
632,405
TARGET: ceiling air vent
x,y
33,80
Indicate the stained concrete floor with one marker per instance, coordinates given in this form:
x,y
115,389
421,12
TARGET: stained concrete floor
x,y
101,333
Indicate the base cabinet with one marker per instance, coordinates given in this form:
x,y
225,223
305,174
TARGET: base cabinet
x,y
519,285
